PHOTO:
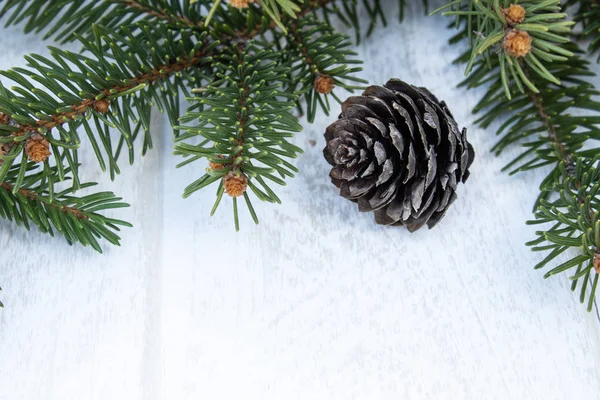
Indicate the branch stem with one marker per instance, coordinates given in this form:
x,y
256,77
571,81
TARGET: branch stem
x,y
243,121
550,127
157,73
296,35
30,195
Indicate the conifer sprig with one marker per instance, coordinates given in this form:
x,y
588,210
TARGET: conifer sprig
x,y
534,36
114,88
244,117
66,19
551,113
588,14
78,219
314,50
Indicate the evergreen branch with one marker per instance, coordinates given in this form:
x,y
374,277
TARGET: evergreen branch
x,y
105,89
271,8
243,117
549,120
252,25
30,195
66,19
258,26
319,58
124,87
546,120
75,218
531,34
588,14
348,12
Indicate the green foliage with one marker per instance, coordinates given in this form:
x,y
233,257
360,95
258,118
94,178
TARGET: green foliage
x,y
542,122
124,70
243,117
272,9
76,218
588,14
486,28
574,224
555,128
66,19
348,12
550,109
314,49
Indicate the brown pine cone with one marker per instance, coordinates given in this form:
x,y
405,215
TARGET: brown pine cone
x,y
397,151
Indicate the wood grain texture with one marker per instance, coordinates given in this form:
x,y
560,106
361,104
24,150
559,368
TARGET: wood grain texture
x,y
316,302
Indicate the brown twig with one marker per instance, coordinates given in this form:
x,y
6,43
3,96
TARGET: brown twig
x,y
565,156
243,121
156,74
303,50
550,127
30,195
547,121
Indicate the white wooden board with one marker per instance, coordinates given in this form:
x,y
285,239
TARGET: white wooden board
x,y
316,302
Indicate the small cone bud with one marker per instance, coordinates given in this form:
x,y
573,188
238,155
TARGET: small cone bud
x,y
235,185
217,166
517,43
240,3
37,148
4,119
597,263
514,14
4,149
102,106
324,84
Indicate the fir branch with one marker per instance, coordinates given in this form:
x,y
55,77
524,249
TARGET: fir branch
x,y
105,89
33,196
250,31
348,11
588,14
77,219
535,39
243,117
95,101
66,19
549,120
316,52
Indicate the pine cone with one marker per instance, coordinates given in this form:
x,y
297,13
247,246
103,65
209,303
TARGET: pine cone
x,y
397,151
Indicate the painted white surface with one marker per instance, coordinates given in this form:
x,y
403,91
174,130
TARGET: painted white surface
x,y
316,302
